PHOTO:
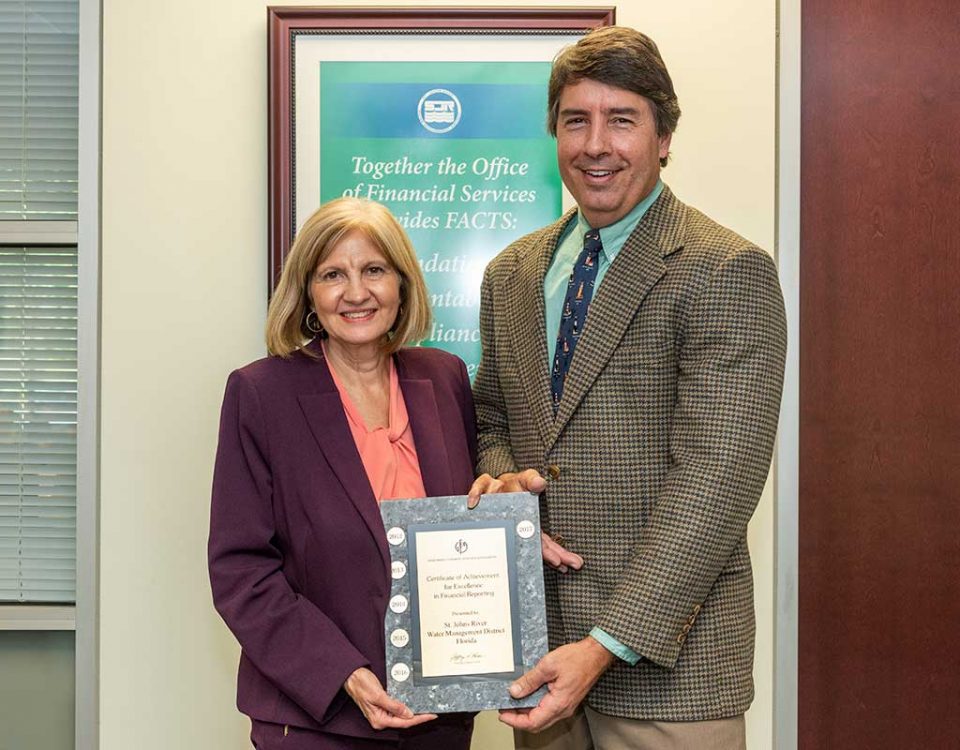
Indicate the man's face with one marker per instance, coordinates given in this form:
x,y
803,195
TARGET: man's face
x,y
608,149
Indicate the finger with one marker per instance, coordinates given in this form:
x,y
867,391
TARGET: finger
x,y
559,556
512,713
493,487
553,560
523,711
479,487
527,683
391,706
396,723
421,719
510,483
548,712
548,549
531,481
518,719
568,558
483,485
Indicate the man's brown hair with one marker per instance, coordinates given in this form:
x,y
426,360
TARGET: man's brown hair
x,y
621,57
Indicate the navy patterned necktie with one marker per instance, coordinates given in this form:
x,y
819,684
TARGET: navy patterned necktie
x,y
575,304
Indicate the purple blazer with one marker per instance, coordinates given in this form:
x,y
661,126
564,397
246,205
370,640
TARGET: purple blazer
x,y
299,563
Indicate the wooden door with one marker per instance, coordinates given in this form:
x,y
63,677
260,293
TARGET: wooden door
x,y
879,586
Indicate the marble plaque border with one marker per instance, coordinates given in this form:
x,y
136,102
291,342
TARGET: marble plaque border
x,y
466,692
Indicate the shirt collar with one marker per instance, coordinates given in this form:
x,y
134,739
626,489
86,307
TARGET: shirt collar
x,y
614,236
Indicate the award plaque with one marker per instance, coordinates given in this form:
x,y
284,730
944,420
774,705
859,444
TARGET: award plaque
x,y
466,614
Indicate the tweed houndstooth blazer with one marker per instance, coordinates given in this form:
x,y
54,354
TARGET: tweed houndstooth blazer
x,y
658,453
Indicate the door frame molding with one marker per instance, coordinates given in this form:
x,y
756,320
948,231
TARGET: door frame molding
x,y
786,614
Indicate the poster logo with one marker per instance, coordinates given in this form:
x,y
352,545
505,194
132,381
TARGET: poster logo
x,y
439,111
461,546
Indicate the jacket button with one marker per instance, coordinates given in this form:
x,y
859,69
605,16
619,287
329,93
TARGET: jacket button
x,y
553,470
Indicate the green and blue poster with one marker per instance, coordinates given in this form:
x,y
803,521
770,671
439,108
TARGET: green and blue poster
x,y
459,153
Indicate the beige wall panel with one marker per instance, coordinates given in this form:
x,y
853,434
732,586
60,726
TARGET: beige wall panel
x,y
184,257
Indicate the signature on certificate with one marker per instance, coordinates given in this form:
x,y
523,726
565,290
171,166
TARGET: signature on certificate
x,y
466,658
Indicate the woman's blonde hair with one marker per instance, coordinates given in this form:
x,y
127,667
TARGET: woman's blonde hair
x,y
286,318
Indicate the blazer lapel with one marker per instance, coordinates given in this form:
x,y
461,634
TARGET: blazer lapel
x,y
529,326
634,272
328,424
424,414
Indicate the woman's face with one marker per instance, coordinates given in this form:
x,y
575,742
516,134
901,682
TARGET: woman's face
x,y
355,292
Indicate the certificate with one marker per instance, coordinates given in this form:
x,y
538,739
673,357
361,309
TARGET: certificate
x,y
466,614
463,595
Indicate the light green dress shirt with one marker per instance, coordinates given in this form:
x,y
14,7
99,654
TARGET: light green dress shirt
x,y
555,282
568,250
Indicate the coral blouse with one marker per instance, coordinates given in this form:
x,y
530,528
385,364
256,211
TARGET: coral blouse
x,y
389,454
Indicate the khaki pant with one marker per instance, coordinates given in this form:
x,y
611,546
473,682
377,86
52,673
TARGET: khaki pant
x,y
589,730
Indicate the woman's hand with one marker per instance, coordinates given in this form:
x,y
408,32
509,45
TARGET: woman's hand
x,y
382,711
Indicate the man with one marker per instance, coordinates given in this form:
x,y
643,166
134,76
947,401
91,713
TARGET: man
x,y
639,370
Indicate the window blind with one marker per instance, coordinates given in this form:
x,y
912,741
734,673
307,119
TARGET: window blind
x,y
38,420
39,52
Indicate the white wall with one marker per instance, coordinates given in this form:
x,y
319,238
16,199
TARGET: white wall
x,y
183,294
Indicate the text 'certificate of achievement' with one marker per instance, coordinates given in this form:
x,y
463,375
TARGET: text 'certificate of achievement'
x,y
466,614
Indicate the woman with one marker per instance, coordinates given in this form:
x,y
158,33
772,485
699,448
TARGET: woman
x,y
337,419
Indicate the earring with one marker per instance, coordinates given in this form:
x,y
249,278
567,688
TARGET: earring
x,y
312,322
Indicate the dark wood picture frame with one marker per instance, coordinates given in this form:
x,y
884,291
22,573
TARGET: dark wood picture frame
x,y
285,23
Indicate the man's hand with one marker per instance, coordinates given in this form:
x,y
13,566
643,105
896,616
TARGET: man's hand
x,y
568,672
554,555
557,556
519,481
382,711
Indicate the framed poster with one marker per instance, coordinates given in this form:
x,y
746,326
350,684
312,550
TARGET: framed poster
x,y
439,114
